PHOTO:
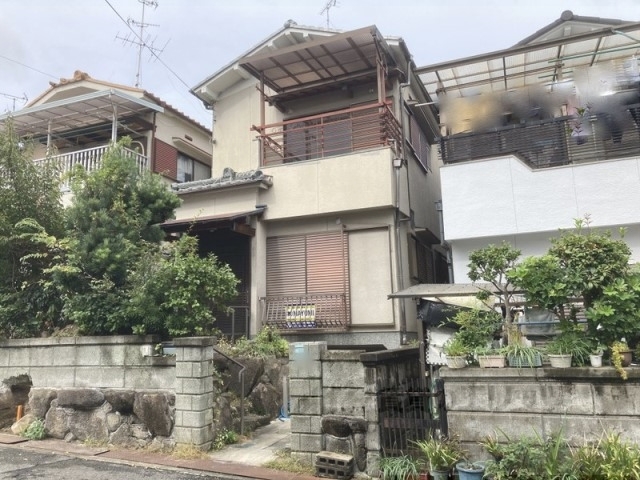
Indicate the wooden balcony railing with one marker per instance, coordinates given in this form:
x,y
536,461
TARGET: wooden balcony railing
x,y
335,133
551,143
90,160
307,312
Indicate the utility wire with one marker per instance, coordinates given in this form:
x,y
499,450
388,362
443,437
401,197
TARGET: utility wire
x,y
30,68
147,46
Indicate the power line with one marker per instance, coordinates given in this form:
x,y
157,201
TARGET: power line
x,y
141,40
30,68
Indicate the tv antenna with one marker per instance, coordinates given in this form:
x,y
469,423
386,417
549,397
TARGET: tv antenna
x,y
328,6
139,39
13,98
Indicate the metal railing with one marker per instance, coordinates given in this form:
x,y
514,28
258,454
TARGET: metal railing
x,y
307,312
550,143
90,159
334,133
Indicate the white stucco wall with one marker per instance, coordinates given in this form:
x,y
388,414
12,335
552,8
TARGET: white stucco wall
x,y
503,196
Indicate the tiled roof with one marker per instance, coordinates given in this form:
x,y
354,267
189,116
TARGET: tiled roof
x,y
229,178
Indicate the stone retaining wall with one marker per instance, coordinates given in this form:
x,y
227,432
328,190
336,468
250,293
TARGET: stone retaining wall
x,y
583,402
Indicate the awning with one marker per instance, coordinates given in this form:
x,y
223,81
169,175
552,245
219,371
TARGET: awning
x,y
529,64
459,294
323,61
78,113
237,222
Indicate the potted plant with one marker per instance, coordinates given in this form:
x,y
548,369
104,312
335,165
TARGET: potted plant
x,y
470,470
620,357
519,354
489,357
456,352
441,455
595,357
398,468
569,344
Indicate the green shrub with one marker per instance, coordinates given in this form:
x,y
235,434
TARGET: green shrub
x,y
35,430
267,343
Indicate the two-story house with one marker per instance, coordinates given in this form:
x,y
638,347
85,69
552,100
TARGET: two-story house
x,y
75,120
323,192
539,134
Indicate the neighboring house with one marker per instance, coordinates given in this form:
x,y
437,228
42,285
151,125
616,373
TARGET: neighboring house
x,y
540,134
76,119
324,186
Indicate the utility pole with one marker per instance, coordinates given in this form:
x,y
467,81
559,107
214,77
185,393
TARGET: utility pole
x,y
138,39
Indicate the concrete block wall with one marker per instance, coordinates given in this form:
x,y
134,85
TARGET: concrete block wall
x,y
331,386
194,391
98,362
582,402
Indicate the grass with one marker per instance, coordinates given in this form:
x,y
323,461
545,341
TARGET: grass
x,y
286,462
188,452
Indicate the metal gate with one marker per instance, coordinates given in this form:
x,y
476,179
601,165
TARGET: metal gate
x,y
411,405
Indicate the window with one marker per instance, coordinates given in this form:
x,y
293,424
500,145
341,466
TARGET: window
x,y
190,169
418,143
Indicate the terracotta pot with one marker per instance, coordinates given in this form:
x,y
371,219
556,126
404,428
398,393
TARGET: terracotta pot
x,y
626,358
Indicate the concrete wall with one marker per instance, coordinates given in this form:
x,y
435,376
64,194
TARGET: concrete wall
x,y
583,402
98,362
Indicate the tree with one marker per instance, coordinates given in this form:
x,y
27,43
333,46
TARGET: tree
x,y
494,264
114,218
175,292
31,221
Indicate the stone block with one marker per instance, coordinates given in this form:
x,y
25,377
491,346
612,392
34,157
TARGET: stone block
x,y
80,398
42,356
114,354
183,402
104,377
475,426
343,401
301,424
373,459
372,439
89,355
301,388
305,369
201,402
59,377
371,413
197,419
617,399
306,350
65,356
305,442
182,435
343,374
20,357
306,406
201,369
150,378
183,369
196,386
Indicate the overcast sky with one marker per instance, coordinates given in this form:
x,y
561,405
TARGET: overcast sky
x,y
44,40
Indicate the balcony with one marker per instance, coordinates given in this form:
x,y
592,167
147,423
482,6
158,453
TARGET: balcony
x,y
551,143
307,313
89,159
336,133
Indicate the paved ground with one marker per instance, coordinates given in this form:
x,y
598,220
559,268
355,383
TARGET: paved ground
x,y
56,459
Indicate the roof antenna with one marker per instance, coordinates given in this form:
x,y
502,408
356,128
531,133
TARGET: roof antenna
x,y
139,39
14,98
327,7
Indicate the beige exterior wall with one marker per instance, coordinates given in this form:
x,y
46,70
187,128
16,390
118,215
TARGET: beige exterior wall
x,y
170,127
330,185
220,202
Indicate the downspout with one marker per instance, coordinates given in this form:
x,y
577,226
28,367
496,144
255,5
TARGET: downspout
x,y
443,243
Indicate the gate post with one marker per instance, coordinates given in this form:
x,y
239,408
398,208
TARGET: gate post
x,y
194,391
305,390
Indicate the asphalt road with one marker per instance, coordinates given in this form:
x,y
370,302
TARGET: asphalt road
x,y
20,463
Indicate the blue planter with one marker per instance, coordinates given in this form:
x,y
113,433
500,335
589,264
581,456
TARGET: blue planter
x,y
466,473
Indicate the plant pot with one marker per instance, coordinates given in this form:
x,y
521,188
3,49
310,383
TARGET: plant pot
x,y
596,360
492,361
521,362
470,471
560,361
456,362
626,358
439,474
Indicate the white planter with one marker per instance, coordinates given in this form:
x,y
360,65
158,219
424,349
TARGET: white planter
x,y
456,362
596,360
492,361
560,361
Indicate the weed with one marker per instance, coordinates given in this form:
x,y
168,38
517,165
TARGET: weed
x,y
188,452
286,462
35,430
223,438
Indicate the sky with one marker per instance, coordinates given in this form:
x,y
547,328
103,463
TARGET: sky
x,y
42,41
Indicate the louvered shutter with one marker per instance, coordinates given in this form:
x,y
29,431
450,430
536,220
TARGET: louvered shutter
x,y
286,266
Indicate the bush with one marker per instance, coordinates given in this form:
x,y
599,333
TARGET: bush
x,y
35,430
267,343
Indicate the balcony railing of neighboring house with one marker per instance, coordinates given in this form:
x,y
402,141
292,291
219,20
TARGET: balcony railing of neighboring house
x,y
551,143
90,160
296,314
334,133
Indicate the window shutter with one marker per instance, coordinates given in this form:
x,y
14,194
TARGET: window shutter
x,y
286,266
326,263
